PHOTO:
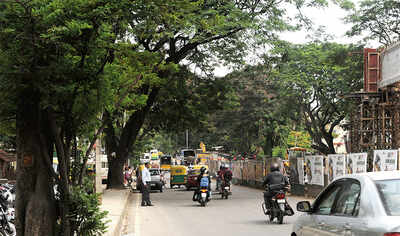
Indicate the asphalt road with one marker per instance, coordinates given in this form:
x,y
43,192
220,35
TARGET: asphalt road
x,y
176,214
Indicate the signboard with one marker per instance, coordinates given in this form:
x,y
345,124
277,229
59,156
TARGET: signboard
x,y
390,65
300,170
336,166
315,170
356,163
385,160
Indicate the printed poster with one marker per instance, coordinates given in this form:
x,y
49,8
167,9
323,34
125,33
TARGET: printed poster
x,y
300,170
385,160
356,163
315,170
336,166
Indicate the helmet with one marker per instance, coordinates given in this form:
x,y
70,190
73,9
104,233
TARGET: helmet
x,y
274,167
202,170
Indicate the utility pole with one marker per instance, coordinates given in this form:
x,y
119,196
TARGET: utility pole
x,y
187,138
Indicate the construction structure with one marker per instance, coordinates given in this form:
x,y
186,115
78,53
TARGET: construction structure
x,y
375,118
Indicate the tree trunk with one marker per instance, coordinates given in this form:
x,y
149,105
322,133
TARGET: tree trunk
x,y
35,205
268,145
115,178
122,149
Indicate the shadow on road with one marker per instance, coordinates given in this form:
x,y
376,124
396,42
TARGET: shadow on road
x,y
257,222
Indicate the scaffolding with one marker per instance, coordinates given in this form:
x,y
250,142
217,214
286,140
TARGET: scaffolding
x,y
374,121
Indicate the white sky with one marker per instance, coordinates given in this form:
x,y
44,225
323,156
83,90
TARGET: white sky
x,y
330,17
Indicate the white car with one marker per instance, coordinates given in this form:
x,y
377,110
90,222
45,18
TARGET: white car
x,y
157,179
365,204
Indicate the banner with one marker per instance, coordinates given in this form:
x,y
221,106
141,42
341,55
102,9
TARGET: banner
x,y
385,160
356,163
315,170
300,170
336,166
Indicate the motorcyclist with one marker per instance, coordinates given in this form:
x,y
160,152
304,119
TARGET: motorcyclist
x,y
226,176
202,173
219,177
274,182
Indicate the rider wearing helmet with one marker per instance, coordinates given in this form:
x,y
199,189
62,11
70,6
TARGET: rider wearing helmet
x,y
274,182
203,171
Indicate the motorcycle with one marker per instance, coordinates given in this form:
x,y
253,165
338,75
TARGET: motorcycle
x,y
6,217
278,207
203,196
225,189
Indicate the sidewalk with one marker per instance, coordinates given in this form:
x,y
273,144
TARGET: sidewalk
x,y
115,202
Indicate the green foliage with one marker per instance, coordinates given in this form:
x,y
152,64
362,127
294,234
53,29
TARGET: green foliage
x,y
378,19
299,139
251,119
86,216
314,77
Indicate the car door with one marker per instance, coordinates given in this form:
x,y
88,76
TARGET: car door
x,y
318,223
345,217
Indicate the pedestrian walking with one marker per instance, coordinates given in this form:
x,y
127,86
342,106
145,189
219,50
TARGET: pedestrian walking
x,y
146,178
125,176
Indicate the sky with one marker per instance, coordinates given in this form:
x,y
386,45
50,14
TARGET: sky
x,y
330,17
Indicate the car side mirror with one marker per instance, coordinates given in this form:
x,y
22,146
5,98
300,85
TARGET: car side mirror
x,y
304,206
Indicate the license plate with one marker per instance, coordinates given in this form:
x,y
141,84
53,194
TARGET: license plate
x,y
227,188
203,194
152,184
281,200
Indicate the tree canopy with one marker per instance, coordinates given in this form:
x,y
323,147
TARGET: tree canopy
x,y
378,19
315,76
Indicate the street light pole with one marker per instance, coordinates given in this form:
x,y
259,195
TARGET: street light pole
x,y
187,138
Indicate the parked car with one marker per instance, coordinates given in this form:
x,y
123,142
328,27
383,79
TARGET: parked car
x,y
157,180
365,204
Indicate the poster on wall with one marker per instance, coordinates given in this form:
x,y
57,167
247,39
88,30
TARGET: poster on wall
x,y
385,160
356,163
314,169
336,166
300,170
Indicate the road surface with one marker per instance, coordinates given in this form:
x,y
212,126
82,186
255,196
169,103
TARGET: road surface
x,y
176,214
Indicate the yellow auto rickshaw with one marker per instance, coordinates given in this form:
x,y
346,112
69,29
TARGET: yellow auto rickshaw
x,y
178,176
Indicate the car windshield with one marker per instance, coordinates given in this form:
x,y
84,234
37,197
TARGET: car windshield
x,y
390,194
188,153
154,172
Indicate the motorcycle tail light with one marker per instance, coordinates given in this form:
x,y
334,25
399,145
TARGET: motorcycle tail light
x,y
392,234
280,196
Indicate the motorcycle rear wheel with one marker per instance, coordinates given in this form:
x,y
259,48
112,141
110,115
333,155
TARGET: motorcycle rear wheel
x,y
280,217
271,216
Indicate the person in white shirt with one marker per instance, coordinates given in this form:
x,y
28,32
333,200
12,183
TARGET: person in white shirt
x,y
146,178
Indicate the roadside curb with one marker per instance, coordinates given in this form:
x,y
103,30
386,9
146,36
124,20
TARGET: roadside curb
x,y
118,230
115,202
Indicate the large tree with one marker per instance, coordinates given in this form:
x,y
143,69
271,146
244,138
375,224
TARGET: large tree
x,y
52,55
376,19
197,32
315,77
